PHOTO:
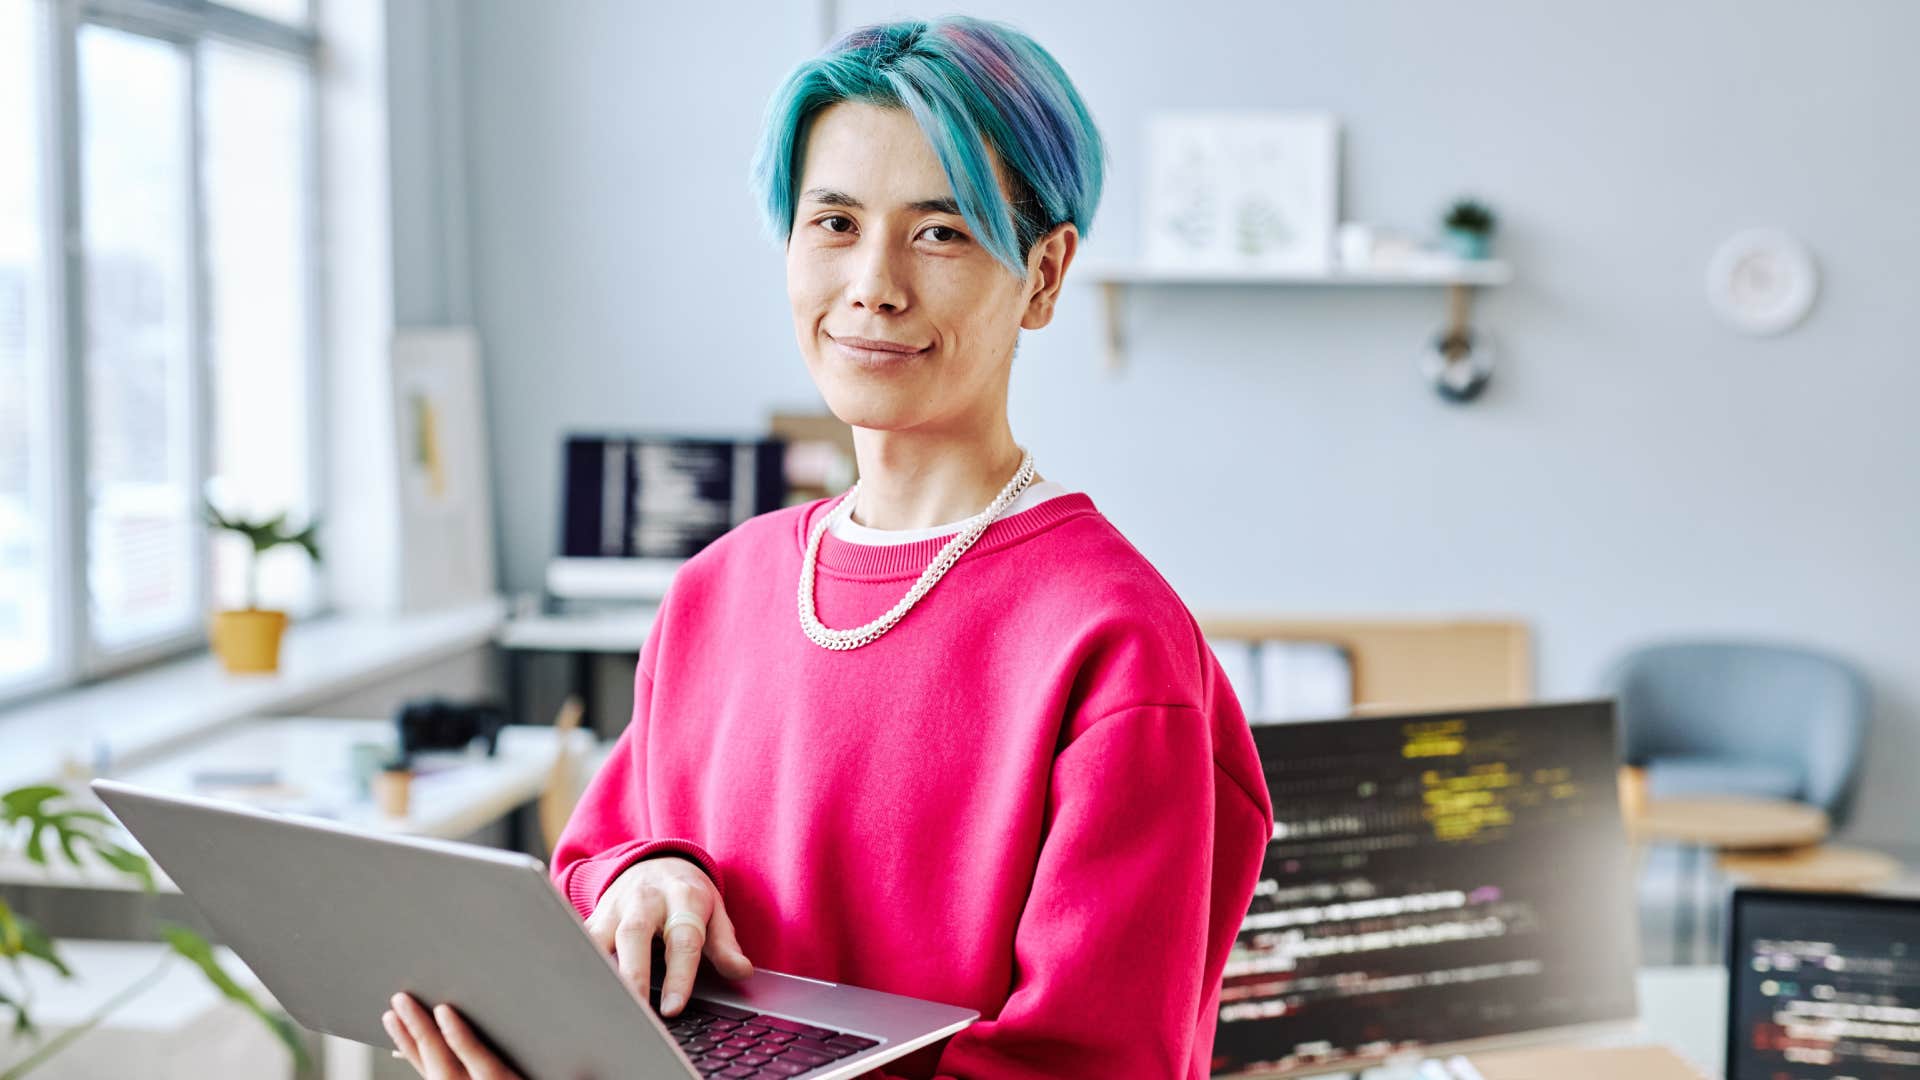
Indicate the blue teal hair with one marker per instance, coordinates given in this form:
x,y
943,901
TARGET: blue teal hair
x,y
974,86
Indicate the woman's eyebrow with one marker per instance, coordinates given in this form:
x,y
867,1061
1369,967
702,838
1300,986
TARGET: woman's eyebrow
x,y
832,197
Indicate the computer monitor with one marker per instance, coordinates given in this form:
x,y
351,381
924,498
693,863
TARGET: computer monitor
x,y
1434,881
1822,985
663,496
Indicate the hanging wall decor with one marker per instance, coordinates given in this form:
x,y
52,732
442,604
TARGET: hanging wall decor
x,y
1762,281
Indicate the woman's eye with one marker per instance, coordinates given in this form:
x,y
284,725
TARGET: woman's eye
x,y
952,234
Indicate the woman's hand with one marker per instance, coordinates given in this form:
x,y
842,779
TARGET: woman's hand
x,y
640,903
441,1045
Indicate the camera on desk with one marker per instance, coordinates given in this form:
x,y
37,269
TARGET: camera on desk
x,y
438,724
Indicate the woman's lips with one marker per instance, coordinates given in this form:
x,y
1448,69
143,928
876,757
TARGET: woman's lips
x,y
874,357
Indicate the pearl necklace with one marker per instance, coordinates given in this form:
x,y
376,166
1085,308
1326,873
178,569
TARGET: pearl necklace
x,y
857,636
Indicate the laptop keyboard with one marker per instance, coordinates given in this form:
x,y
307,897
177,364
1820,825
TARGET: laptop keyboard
x,y
740,1044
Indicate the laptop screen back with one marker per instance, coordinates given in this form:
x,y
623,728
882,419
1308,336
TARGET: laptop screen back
x,y
1823,986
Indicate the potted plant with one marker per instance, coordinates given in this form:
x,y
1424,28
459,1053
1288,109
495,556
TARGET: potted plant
x,y
30,812
1469,225
248,639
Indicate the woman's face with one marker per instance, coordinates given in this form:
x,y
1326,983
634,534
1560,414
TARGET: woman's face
x,y
880,252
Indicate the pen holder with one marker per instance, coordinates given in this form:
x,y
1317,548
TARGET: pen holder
x,y
392,786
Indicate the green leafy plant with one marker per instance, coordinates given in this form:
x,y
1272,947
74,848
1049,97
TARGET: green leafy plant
x,y
264,535
1470,216
33,811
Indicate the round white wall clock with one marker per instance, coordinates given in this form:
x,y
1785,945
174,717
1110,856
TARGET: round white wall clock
x,y
1762,281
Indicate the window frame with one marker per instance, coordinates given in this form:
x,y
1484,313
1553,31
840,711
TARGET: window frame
x,y
75,657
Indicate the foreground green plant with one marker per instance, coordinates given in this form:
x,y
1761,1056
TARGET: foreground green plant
x,y
31,810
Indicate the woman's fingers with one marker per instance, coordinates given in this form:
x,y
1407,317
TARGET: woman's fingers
x,y
723,948
441,1045
685,931
481,1062
672,899
600,926
435,1059
604,922
403,1043
633,943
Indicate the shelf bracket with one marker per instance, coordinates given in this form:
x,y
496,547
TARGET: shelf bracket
x,y
1459,311
1458,365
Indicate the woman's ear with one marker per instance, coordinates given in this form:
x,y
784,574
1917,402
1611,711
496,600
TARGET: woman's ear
x,y
1046,269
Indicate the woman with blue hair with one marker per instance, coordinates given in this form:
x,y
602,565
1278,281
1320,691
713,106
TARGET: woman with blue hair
x,y
1029,791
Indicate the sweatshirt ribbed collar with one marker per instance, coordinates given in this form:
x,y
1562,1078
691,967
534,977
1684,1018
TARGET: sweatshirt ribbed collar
x,y
845,558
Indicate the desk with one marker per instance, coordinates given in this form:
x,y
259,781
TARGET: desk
x,y
145,715
1730,823
584,635
617,630
1822,867
468,794
1682,1010
1685,1010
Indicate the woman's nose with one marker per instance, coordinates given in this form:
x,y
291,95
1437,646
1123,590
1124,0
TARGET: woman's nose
x,y
877,282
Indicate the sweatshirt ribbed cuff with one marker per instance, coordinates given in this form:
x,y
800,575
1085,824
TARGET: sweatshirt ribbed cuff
x,y
591,878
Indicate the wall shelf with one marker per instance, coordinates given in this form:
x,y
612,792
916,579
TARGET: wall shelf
x,y
1458,277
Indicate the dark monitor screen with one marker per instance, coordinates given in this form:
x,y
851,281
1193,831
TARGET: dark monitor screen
x,y
1431,880
663,496
1823,986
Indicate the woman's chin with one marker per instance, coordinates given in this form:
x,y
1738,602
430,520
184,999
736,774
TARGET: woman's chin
x,y
863,408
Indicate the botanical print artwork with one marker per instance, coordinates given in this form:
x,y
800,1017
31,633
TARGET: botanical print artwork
x,y
1241,190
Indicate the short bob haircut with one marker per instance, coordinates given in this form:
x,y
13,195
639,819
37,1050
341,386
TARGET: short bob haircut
x,y
971,84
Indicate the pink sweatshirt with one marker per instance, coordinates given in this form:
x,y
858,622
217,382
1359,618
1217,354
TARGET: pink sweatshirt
x,y
1035,796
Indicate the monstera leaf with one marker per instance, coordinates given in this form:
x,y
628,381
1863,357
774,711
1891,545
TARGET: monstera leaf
x,y
29,812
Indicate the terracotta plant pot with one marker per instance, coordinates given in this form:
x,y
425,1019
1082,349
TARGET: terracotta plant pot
x,y
248,641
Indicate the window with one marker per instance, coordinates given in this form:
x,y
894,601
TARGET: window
x,y
255,165
173,140
135,205
291,11
27,435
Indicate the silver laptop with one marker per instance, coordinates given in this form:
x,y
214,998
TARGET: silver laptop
x,y
335,920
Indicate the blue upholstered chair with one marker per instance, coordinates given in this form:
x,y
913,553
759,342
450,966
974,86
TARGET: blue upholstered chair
x,y
1730,718
1742,718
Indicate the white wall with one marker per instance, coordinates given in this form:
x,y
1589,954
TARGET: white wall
x,y
430,262
1635,471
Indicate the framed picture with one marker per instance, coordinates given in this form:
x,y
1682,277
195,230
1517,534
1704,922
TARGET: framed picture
x,y
446,509
1241,190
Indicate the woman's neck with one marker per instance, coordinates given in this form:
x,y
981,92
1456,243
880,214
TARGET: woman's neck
x,y
915,480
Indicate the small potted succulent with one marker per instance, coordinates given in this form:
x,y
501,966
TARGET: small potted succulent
x,y
248,639
1470,227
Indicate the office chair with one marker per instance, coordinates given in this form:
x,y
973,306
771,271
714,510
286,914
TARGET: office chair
x,y
1730,718
1742,718
563,785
